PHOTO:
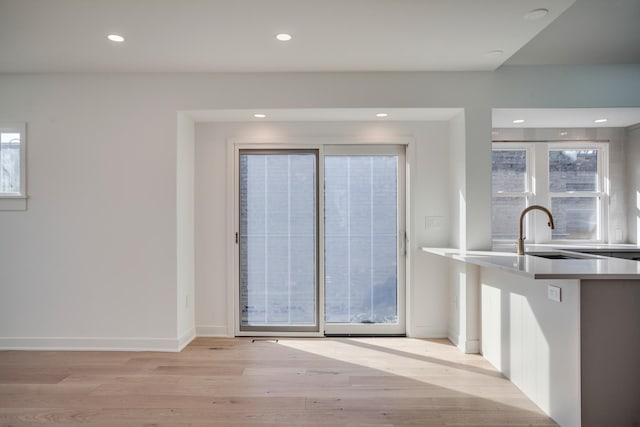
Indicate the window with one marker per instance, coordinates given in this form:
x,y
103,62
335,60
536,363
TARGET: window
x,y
575,193
511,188
569,179
12,166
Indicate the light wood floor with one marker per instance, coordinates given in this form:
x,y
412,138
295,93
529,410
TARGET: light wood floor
x,y
237,382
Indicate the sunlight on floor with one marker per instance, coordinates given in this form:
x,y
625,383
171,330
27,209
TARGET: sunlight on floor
x,y
433,362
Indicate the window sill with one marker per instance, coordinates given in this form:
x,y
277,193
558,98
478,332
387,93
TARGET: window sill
x,y
13,203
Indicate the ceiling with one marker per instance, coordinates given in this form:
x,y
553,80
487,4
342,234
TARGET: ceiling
x,y
328,35
564,117
590,32
238,35
326,114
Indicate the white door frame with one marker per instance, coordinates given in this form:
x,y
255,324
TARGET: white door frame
x,y
233,150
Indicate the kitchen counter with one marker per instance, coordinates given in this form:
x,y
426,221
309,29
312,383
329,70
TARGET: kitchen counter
x,y
565,331
586,267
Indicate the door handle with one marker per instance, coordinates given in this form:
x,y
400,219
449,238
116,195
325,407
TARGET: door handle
x,y
404,242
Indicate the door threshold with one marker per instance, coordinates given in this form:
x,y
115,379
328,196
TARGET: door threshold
x,y
365,335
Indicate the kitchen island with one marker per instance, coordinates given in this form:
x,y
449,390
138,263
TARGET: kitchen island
x,y
563,325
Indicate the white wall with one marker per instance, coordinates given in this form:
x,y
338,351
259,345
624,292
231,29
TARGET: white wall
x,y
633,183
456,183
429,200
93,262
185,229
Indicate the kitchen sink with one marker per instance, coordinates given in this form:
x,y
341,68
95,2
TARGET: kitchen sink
x,y
556,255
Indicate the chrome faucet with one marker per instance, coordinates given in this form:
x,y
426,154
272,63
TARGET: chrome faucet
x,y
521,232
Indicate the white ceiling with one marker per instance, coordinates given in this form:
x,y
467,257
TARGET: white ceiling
x,y
326,114
565,117
329,35
590,32
238,35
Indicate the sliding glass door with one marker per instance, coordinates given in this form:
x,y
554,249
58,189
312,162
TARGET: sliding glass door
x,y
351,196
278,243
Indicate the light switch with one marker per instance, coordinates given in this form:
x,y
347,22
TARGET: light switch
x,y
554,293
433,222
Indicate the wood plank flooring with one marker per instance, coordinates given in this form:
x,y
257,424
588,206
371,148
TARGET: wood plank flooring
x,y
242,382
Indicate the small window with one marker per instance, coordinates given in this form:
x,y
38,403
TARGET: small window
x,y
12,166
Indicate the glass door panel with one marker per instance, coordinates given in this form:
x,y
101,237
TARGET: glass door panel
x,y
364,238
278,243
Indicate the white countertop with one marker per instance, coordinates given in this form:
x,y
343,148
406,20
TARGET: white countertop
x,y
588,267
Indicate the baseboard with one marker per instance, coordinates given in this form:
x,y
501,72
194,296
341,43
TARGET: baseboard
x,y
212,331
466,346
186,338
427,332
89,344
454,339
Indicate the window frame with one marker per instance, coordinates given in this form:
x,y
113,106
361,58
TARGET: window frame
x,y
602,187
528,193
538,179
16,201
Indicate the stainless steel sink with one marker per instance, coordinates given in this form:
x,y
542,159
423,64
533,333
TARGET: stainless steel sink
x,y
558,255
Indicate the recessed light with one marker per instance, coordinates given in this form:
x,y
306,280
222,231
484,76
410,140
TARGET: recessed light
x,y
600,121
517,121
535,14
259,115
115,38
564,133
382,115
283,37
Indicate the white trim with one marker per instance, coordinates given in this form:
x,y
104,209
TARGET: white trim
x,y
186,338
466,346
427,332
213,331
90,344
454,338
232,228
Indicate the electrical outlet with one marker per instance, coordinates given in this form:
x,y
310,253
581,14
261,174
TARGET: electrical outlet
x,y
554,293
